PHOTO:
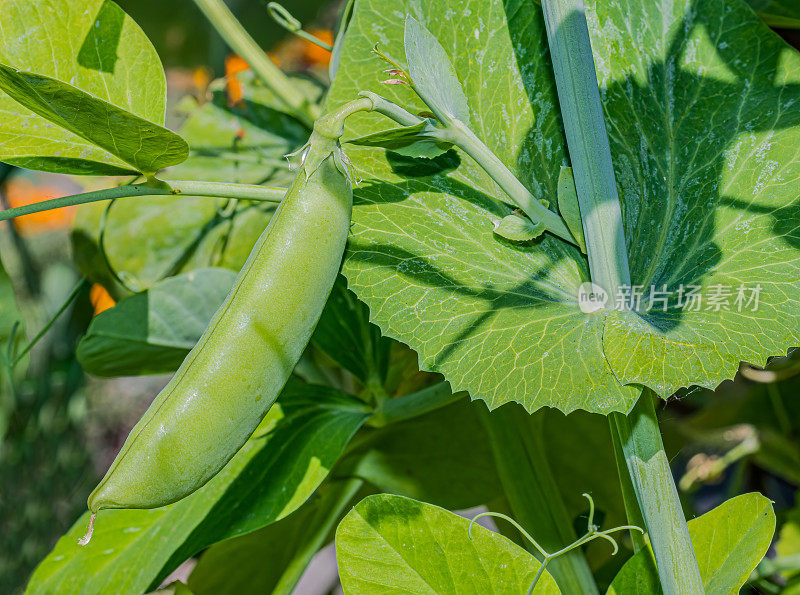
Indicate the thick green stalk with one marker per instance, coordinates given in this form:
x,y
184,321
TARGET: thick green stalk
x,y
658,499
231,30
338,495
587,140
533,495
637,436
188,188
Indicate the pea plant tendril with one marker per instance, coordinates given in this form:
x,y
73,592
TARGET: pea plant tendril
x,y
592,532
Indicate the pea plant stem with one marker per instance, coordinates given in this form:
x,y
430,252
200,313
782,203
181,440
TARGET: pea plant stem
x,y
587,140
637,436
416,404
660,506
461,136
391,110
175,188
67,303
632,509
231,30
533,495
285,19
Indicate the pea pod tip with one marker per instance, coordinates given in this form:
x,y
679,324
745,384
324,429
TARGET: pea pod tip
x,y
89,530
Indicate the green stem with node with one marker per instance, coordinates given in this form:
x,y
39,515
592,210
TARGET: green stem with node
x,y
331,125
231,30
637,436
461,136
457,133
647,465
172,188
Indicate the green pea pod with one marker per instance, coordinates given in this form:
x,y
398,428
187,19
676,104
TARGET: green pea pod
x,y
232,377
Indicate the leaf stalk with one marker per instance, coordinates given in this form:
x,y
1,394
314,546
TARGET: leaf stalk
x,y
231,30
637,436
175,188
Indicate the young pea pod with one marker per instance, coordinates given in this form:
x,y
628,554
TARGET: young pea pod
x,y
232,377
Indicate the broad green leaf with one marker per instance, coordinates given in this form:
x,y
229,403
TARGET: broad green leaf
x,y
703,141
149,238
346,335
391,544
92,45
518,228
442,457
637,577
728,541
410,141
432,72
145,146
272,559
245,142
274,473
153,331
783,14
568,205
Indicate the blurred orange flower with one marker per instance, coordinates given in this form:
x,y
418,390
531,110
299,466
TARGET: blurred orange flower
x,y
22,191
234,65
294,53
100,298
313,54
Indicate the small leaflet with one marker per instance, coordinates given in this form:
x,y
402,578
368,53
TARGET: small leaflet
x,y
433,74
419,140
568,206
518,228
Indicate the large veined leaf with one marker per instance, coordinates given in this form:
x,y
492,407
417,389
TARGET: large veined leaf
x,y
241,143
391,544
92,45
778,13
729,542
703,141
271,476
153,331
